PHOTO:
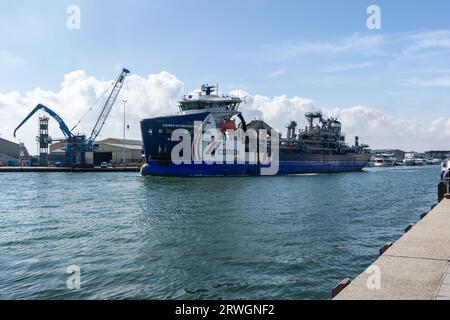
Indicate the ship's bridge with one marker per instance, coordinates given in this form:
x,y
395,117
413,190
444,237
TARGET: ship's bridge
x,y
204,100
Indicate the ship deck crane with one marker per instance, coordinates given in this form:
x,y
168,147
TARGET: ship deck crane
x,y
78,145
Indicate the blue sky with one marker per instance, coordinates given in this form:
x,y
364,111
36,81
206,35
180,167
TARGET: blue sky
x,y
316,49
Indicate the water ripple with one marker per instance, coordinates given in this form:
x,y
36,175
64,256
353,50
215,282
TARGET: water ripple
x,y
168,238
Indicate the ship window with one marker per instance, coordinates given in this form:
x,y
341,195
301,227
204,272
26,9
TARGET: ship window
x,y
200,105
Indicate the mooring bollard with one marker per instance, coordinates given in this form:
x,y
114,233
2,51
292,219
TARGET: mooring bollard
x,y
442,190
340,286
423,215
409,227
385,247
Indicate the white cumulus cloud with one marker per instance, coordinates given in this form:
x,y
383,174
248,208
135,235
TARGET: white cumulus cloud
x,y
372,125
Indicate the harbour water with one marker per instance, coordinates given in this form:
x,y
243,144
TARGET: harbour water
x,y
292,237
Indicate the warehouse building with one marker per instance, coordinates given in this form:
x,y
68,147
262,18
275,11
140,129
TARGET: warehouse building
x,y
9,153
112,150
9,148
109,150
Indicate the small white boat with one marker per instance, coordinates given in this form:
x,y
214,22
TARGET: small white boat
x,y
434,162
419,162
384,160
412,159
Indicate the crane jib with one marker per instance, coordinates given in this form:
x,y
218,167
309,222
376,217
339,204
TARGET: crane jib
x,y
108,106
62,125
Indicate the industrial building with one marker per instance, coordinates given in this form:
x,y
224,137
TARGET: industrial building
x,y
109,150
113,150
9,153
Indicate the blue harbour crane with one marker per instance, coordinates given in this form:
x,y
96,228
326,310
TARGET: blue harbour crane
x,y
79,145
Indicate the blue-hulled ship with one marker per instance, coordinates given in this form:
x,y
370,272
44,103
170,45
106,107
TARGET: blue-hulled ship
x,y
319,148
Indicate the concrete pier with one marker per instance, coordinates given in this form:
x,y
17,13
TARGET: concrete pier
x,y
416,267
62,169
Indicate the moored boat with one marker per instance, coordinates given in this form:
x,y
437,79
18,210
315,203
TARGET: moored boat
x,y
413,159
383,160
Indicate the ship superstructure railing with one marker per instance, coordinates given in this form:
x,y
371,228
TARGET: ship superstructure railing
x,y
321,131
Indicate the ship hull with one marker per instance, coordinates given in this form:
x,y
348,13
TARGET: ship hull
x,y
167,168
